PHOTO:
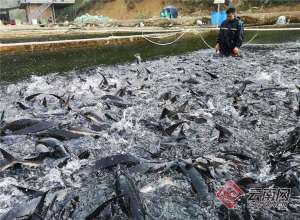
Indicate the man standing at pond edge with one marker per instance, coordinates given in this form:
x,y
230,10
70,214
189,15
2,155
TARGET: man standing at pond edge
x,y
231,33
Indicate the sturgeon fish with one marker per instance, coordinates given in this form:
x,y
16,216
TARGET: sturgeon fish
x,y
56,149
224,133
111,161
60,134
95,214
239,92
130,200
197,181
25,126
10,161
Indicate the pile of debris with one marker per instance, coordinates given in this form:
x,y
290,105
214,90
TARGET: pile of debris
x,y
91,19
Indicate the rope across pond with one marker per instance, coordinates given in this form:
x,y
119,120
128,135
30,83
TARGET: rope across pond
x,y
214,29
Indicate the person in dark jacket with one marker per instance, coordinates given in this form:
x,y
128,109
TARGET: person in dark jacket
x,y
231,33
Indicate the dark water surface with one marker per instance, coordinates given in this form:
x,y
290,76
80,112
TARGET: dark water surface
x,y
259,120
17,67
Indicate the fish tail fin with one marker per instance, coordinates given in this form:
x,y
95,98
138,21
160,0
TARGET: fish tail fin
x,y
98,210
67,103
39,208
2,116
164,113
169,131
7,156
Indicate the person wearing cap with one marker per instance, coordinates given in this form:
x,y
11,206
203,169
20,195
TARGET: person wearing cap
x,y
230,37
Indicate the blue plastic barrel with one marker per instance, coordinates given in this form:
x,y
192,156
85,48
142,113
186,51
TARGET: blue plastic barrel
x,y
214,17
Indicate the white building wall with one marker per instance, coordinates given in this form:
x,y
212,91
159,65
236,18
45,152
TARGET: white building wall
x,y
9,4
19,15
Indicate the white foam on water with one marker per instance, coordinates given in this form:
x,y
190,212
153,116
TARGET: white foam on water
x,y
7,181
150,187
265,174
53,177
264,76
9,194
71,167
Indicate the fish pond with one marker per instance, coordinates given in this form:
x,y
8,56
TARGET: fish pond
x,y
150,138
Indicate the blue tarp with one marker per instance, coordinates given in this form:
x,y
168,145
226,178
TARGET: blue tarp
x,y
214,17
169,12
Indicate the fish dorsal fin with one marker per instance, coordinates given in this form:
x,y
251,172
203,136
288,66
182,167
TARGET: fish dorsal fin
x,y
181,133
49,207
104,81
7,155
58,97
169,131
44,102
28,98
2,116
164,113
100,208
182,108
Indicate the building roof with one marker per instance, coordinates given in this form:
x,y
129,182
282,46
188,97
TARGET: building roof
x,y
47,1
9,4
